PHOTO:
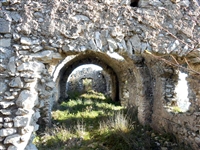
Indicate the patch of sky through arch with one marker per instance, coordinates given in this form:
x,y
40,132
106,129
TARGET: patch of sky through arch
x,y
94,67
79,68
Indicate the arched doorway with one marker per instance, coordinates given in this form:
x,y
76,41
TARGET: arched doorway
x,y
84,59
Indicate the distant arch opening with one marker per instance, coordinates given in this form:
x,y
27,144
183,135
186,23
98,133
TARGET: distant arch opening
x,y
87,78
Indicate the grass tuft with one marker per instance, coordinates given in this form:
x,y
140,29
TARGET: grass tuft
x,y
118,122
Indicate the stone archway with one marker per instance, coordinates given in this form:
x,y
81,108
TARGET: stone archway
x,y
87,58
126,75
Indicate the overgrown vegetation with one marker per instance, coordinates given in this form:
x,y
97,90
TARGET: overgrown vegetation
x,y
93,122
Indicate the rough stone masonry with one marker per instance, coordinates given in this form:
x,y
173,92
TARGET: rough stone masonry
x,y
42,41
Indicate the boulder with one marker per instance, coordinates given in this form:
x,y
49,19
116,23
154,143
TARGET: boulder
x,y
20,121
112,44
3,87
7,131
21,112
33,66
27,99
26,41
46,56
136,43
12,139
16,82
5,42
5,104
4,26
11,65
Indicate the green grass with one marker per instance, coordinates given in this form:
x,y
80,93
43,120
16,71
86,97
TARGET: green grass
x,y
174,109
93,122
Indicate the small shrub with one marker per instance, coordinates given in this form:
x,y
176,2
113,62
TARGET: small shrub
x,y
118,122
87,83
176,109
80,128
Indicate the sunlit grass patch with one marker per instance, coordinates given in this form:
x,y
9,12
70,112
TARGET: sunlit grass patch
x,y
174,109
93,95
95,124
108,106
60,115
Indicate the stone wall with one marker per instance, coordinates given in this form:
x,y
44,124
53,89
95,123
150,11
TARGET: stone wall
x,y
154,39
184,122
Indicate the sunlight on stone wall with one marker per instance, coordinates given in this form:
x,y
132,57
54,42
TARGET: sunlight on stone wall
x,y
115,56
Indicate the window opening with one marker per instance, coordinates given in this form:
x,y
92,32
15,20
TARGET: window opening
x,y
134,3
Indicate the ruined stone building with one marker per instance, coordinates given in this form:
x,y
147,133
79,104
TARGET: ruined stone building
x,y
157,69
